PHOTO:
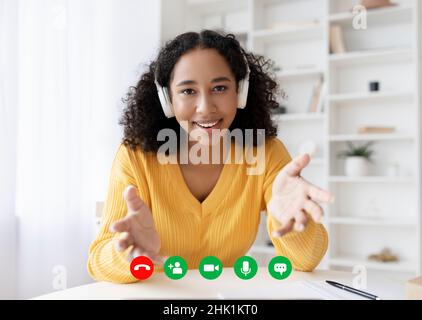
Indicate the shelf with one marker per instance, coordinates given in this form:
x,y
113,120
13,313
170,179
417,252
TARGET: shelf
x,y
351,261
370,137
369,179
299,73
371,222
370,96
298,117
370,56
401,13
294,33
215,6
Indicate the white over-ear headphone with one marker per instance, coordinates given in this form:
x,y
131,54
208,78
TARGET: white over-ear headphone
x,y
242,97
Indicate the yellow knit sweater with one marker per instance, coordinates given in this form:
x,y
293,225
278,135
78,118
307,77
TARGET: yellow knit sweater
x,y
224,225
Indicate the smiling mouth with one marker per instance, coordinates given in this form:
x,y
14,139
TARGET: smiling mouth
x,y
208,124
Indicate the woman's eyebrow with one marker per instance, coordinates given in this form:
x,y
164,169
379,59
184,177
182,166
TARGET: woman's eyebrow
x,y
219,79
187,82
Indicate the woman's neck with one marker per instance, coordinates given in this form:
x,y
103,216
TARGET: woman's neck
x,y
205,155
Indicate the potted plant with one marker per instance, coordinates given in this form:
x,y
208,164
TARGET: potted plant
x,y
358,159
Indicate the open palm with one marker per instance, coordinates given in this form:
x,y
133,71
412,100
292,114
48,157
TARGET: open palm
x,y
137,229
294,199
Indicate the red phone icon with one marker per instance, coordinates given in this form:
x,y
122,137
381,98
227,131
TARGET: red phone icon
x,y
141,267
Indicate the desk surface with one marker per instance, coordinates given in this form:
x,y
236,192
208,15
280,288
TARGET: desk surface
x,y
300,285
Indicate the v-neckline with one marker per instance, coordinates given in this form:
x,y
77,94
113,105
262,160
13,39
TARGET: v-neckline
x,y
211,198
214,197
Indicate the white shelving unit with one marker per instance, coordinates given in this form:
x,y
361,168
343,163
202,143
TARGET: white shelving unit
x,y
371,212
298,117
376,211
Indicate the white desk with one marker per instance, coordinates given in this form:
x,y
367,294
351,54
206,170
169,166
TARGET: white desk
x,y
228,286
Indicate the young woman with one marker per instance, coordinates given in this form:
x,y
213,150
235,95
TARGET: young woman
x,y
202,83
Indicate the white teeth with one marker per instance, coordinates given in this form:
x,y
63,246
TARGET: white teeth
x,y
208,124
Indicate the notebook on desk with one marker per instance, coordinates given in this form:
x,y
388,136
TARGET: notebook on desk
x,y
297,290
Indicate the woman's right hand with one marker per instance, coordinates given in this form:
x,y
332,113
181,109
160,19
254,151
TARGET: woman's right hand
x,y
137,229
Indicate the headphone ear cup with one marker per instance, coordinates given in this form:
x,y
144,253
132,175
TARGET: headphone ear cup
x,y
244,88
165,102
168,106
243,93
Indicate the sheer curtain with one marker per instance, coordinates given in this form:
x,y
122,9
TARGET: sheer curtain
x,y
75,60
8,104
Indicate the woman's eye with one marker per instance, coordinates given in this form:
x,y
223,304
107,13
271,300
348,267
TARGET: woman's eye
x,y
188,91
220,88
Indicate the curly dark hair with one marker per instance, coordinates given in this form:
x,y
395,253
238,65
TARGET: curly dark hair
x,y
143,116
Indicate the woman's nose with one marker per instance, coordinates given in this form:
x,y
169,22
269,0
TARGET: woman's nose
x,y
205,104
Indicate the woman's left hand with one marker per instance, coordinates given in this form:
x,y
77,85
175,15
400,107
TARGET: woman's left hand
x,y
293,198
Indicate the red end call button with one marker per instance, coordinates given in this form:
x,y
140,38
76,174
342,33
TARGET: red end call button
x,y
141,267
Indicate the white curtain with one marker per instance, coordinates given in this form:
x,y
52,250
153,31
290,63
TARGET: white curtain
x,y
76,59
8,106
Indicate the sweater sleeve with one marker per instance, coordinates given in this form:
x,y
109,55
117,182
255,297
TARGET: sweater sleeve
x,y
304,249
104,262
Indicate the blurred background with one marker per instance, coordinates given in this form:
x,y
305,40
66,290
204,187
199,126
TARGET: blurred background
x,y
351,71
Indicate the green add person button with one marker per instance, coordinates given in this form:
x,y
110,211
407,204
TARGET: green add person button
x,y
175,267
246,267
280,267
210,268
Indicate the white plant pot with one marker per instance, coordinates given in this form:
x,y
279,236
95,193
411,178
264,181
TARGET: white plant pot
x,y
356,166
